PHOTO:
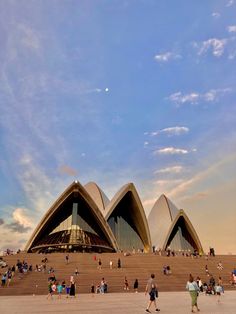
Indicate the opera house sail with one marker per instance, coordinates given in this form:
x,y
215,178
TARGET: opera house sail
x,y
126,217
74,222
171,228
83,219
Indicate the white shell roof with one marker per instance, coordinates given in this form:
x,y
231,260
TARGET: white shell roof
x,y
98,196
160,219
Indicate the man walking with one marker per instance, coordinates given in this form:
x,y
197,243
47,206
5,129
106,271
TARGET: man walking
x,y
151,289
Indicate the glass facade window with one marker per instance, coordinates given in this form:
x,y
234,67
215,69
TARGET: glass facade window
x,y
74,223
123,225
126,236
180,238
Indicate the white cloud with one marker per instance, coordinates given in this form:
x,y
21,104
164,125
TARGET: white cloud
x,y
232,55
230,3
216,14
167,56
232,29
39,188
20,216
174,169
175,130
195,97
146,143
171,151
180,98
216,46
30,37
167,182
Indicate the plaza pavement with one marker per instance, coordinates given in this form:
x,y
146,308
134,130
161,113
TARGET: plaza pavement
x,y
117,303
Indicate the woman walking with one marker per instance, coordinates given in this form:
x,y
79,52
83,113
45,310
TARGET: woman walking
x,y
193,289
72,289
136,285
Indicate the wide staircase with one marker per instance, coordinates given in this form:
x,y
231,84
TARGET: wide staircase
x,y
138,266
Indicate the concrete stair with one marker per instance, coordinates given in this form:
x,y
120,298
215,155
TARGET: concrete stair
x,y
138,266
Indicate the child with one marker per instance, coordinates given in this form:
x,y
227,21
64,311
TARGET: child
x,y
92,289
59,290
218,290
67,290
126,284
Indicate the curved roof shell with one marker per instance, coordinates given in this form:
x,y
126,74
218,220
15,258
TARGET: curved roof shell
x,y
160,219
95,213
135,210
97,195
190,229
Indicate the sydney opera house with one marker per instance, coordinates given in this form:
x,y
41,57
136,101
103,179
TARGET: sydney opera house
x,y
84,219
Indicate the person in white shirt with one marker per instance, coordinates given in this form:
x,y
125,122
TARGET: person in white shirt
x,y
193,289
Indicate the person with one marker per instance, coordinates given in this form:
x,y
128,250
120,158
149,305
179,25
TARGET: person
x,y
67,258
193,289
50,291
59,290
151,288
99,264
126,284
111,264
9,277
218,290
168,270
4,278
54,287
136,285
102,286
199,283
220,266
92,288
119,263
76,272
164,269
67,290
72,289
220,282
212,283
206,270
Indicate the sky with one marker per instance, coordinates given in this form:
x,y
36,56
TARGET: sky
x,y
118,91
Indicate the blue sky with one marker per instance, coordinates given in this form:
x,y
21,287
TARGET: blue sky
x,y
116,92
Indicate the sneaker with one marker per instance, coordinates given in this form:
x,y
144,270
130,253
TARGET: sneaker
x,y
157,310
147,310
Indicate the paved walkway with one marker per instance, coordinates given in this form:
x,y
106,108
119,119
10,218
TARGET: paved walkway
x,y
172,302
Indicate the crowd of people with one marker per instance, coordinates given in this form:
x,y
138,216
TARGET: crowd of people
x,y
56,287
9,272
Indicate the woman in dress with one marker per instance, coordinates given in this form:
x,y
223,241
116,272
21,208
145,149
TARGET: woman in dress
x,y
193,289
72,289
136,285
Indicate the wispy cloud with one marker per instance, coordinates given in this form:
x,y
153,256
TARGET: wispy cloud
x,y
167,56
174,169
230,3
184,189
195,97
215,45
216,14
175,130
65,169
167,182
39,188
171,151
231,29
30,38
